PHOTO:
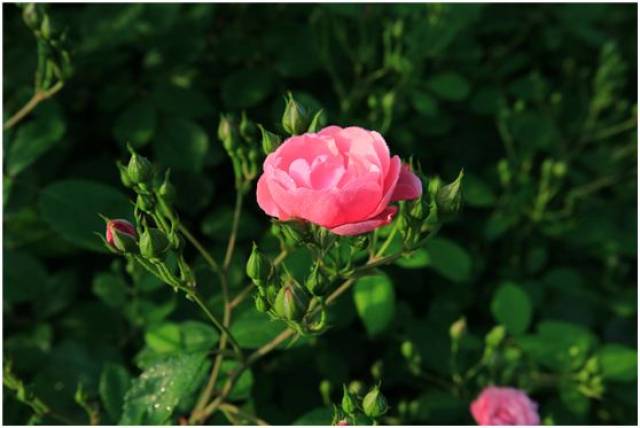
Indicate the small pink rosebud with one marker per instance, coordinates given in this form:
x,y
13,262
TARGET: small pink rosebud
x,y
121,235
343,423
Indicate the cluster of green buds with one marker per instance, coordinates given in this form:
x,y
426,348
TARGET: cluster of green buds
x,y
589,379
282,297
156,231
54,60
242,142
440,203
357,408
411,356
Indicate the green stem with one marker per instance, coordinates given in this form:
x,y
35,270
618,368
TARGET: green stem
x,y
389,239
205,254
36,99
234,229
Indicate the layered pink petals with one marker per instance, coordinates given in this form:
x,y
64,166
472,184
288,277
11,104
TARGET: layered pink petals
x,y
504,406
339,178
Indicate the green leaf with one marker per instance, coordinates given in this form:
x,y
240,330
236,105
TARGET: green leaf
x,y
619,363
111,289
181,144
449,86
449,259
253,329
114,384
374,297
242,389
34,138
476,192
246,88
24,276
136,124
511,307
416,260
317,416
157,391
188,336
424,103
559,345
71,208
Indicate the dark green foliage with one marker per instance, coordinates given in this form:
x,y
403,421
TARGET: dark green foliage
x,y
537,104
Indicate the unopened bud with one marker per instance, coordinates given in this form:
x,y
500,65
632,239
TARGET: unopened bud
x,y
407,349
291,302
457,329
349,403
248,129
449,197
317,283
139,169
295,119
145,202
124,175
258,267
166,190
356,388
374,403
270,141
227,133
262,305
32,15
122,235
495,336
153,243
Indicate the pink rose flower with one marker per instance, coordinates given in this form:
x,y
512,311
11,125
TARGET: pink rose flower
x,y
504,406
342,179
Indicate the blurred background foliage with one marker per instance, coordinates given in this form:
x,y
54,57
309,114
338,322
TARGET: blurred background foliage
x,y
536,102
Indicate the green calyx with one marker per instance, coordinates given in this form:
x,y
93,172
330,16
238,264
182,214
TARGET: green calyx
x,y
292,302
153,243
295,119
374,403
139,169
259,268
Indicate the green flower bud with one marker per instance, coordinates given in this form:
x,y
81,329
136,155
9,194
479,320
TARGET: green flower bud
x,y
296,231
45,28
270,141
356,388
153,243
407,349
449,197
374,404
317,283
227,133
145,202
32,15
291,302
349,403
140,170
124,175
258,267
295,119
457,329
271,291
495,336
166,189
248,129
262,305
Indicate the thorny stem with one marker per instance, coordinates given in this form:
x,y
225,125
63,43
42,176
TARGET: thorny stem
x,y
36,99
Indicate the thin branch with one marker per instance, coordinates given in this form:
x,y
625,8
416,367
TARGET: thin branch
x,y
36,99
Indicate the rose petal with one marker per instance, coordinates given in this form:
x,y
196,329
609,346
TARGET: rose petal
x,y
408,186
265,200
351,229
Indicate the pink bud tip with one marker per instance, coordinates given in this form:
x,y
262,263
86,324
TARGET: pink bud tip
x,y
120,226
342,423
